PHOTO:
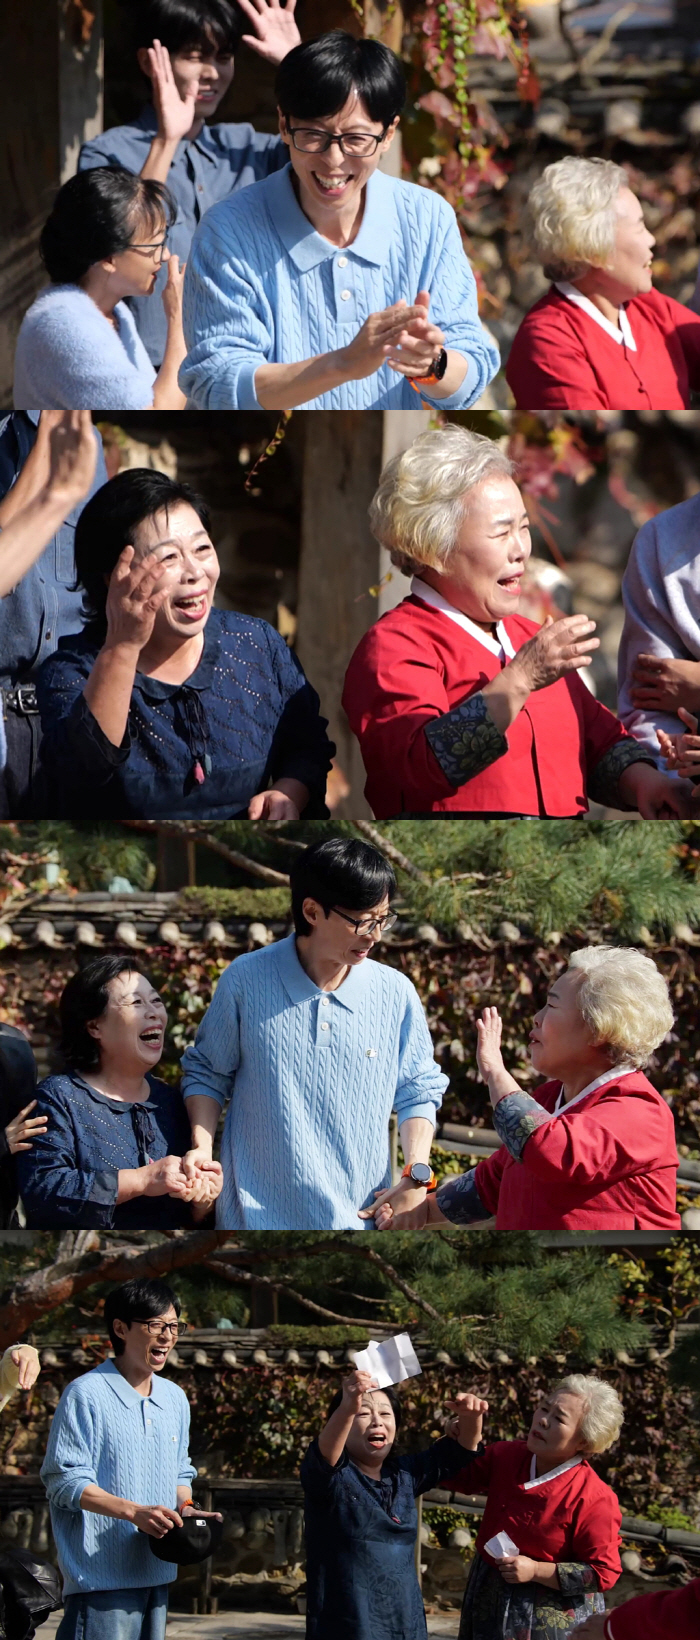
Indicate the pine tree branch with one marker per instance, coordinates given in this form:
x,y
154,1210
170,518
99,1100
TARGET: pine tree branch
x,y
238,1277
347,1248
392,853
56,1284
191,832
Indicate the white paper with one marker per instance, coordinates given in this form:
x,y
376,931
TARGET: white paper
x,y
390,1361
500,1546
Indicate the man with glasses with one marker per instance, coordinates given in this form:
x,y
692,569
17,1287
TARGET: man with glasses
x,y
331,284
313,1047
117,1471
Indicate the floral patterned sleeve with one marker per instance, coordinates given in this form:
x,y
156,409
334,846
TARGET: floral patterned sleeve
x,y
603,782
576,1577
515,1118
459,1199
465,740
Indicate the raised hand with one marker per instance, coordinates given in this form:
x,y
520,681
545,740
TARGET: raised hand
x,y
275,28
72,453
419,344
470,1411
26,1359
171,294
175,113
489,1030
23,1128
355,1386
559,647
135,594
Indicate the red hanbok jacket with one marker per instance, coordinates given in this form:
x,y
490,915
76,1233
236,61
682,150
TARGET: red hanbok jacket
x,y
674,1615
561,359
414,665
607,1164
572,1517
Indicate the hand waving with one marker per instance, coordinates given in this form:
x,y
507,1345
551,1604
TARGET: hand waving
x,y
275,27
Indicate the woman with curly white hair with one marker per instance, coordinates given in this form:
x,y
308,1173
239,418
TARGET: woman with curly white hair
x,y
601,338
594,1147
543,1495
459,703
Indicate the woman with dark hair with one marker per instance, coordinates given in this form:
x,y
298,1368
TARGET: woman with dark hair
x,y
111,1153
186,50
78,346
19,1123
164,705
361,1518
332,284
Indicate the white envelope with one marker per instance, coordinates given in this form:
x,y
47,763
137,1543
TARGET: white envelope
x,y
390,1361
500,1546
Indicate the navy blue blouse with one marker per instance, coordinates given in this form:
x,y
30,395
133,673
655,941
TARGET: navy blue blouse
x,y
245,718
69,1177
360,1543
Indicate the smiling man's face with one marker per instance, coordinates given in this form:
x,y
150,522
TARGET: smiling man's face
x,y
147,1344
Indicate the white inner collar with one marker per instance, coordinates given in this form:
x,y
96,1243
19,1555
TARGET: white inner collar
x,y
500,645
540,1480
608,1076
624,334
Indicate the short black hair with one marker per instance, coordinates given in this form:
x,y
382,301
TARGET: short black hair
x,y
317,77
85,998
108,520
95,215
142,1299
340,871
182,23
391,1396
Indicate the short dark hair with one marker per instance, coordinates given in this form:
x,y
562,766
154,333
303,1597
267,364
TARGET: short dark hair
x,y
85,998
95,215
107,523
182,23
340,871
317,77
139,1300
391,1396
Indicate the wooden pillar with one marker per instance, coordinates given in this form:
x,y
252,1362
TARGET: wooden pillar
x,y
339,565
401,427
52,83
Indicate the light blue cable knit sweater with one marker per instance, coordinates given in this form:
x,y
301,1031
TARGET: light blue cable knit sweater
x,y
262,286
69,356
313,1077
105,1434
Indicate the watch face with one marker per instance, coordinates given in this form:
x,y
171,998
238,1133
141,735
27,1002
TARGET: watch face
x,y
420,1173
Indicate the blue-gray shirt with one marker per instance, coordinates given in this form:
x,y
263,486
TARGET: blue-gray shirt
x,y
46,604
220,160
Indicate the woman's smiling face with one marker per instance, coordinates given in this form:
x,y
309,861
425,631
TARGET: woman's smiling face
x,y
130,1032
483,576
183,549
373,1430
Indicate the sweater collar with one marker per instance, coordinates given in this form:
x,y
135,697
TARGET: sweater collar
x,y
307,248
120,1107
541,1480
615,1075
127,1394
300,988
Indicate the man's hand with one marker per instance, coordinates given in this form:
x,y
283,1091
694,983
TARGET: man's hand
x,y
592,1629
153,1519
403,1218
276,31
176,114
682,752
517,1568
171,295
402,1197
419,344
655,795
660,682
26,1358
354,1387
72,455
378,337
200,1160
470,1412
168,1178
201,1514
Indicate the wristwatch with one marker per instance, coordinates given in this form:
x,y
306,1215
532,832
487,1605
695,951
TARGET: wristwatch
x,y
420,1173
435,374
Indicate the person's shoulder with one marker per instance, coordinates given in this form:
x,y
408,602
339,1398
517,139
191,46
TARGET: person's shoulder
x,y
592,1485
635,1083
58,308
551,313
664,309
133,133
234,624
241,135
90,1387
243,205
420,201
73,649
160,1090
58,1088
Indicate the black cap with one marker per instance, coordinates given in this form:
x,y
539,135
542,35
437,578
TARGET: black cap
x,y
185,1545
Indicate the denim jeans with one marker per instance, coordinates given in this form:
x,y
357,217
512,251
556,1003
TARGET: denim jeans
x,y
115,1614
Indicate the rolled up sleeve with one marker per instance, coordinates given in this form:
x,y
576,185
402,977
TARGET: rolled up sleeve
x,y
421,1084
69,1463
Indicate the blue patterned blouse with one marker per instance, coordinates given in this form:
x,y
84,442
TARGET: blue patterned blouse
x,y
245,718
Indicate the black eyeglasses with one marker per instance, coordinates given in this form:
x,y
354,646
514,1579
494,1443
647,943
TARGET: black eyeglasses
x,y
174,1328
159,246
367,925
354,144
